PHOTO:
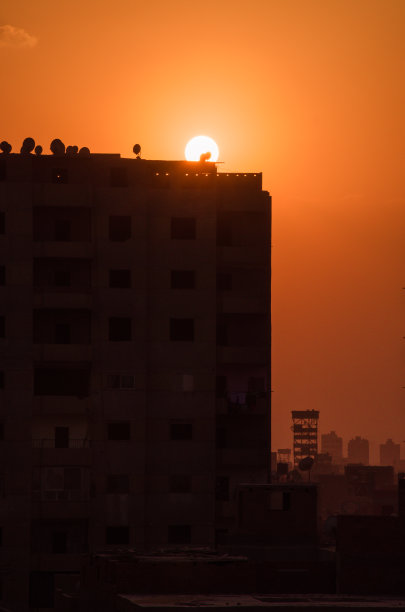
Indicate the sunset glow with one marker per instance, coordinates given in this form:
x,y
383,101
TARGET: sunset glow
x,y
201,145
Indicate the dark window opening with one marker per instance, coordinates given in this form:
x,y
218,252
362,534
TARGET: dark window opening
x,y
73,478
224,281
182,279
179,534
41,590
62,230
181,431
2,327
119,431
119,329
118,177
1,430
59,175
120,279
2,222
222,488
61,437
182,330
119,228
59,542
61,278
2,275
117,535
180,483
1,379
118,484
222,333
183,228
221,386
224,231
62,333
221,441
62,382
3,170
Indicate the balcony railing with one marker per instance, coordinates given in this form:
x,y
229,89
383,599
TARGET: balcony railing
x,y
72,443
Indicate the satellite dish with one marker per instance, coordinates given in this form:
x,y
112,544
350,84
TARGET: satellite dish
x,y
84,152
5,147
38,150
57,147
27,146
205,156
137,151
306,464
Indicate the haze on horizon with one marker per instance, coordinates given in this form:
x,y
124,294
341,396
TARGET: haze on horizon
x,y
310,93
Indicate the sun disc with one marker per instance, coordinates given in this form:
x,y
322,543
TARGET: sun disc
x,y
200,145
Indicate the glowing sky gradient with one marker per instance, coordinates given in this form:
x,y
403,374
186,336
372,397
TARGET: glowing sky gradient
x,y
311,92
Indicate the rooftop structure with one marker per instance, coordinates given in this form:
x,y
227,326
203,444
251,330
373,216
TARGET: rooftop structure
x,y
305,432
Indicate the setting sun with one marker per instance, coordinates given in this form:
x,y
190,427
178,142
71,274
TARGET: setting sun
x,y
202,145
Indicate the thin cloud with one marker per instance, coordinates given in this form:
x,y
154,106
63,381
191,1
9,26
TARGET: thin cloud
x,y
10,36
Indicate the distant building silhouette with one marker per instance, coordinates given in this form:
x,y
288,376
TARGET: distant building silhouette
x,y
305,434
135,357
358,450
390,454
332,444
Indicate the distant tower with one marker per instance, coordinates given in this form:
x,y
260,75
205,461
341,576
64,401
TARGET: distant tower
x,y
332,444
390,453
358,450
305,429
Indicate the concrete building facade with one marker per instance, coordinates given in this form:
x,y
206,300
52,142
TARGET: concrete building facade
x,y
134,358
390,454
332,444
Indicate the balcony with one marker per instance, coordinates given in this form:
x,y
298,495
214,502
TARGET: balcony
x,y
61,404
242,305
258,355
66,298
244,404
62,352
243,458
78,453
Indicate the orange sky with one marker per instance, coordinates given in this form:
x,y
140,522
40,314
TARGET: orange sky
x,y
312,93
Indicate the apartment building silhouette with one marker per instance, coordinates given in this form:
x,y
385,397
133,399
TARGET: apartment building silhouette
x,y
134,358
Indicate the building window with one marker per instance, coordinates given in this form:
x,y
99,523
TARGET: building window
x,y
1,430
61,437
182,279
2,222
118,177
120,279
118,484
179,534
224,281
183,228
2,327
181,431
180,483
120,381
120,430
61,278
59,542
2,275
59,175
222,488
62,230
117,535
119,329
41,590
221,437
119,228
55,381
221,386
182,330
62,333
1,379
